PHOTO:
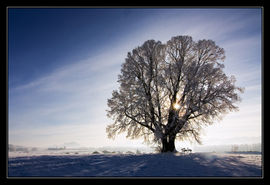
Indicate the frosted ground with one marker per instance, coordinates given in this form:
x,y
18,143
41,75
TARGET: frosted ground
x,y
83,163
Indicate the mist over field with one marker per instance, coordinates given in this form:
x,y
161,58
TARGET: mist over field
x,y
16,150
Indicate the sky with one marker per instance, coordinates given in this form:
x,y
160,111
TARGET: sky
x,y
63,65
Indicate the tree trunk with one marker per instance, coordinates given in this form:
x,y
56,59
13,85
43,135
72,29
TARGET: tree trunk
x,y
168,144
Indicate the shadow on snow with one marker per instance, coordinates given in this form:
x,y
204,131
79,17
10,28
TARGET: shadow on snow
x,y
146,165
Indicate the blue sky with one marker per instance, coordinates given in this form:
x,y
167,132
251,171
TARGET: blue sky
x,y
63,66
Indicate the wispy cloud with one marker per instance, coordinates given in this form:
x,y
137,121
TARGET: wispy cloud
x,y
69,102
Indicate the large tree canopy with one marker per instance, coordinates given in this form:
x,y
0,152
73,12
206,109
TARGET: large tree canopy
x,y
169,91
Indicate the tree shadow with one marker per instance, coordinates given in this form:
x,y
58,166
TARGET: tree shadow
x,y
145,165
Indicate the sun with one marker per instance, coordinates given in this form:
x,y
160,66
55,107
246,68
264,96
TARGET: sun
x,y
176,106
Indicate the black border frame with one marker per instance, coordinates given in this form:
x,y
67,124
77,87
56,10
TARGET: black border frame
x,y
115,5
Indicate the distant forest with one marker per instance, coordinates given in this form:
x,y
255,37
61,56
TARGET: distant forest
x,y
230,148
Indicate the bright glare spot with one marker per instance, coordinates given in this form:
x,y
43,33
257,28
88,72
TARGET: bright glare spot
x,y
176,106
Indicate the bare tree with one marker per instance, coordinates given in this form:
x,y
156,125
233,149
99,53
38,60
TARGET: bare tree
x,y
169,91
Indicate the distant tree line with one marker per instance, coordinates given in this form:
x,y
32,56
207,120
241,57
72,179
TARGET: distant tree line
x,y
246,147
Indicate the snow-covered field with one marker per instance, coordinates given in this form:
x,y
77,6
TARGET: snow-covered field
x,y
85,164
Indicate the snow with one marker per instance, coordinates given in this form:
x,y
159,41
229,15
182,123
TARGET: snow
x,y
135,165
